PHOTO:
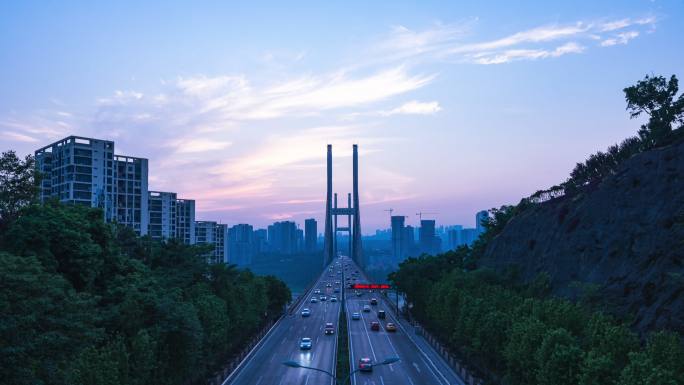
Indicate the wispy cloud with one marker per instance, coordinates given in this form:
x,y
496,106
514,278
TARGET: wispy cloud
x,y
450,42
620,38
414,107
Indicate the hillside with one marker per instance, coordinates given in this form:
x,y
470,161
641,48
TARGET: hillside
x,y
621,238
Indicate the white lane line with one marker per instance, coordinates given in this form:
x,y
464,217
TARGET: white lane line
x,y
307,380
259,380
382,381
375,358
431,366
416,366
410,380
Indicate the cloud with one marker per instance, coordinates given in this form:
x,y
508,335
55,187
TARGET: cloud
x,y
527,54
17,137
448,42
620,38
414,107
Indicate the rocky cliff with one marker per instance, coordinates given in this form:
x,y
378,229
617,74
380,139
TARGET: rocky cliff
x,y
623,236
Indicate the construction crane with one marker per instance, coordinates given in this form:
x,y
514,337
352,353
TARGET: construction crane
x,y
390,211
420,215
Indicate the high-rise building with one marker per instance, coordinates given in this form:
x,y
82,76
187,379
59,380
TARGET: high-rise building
x,y
410,240
282,237
299,235
212,233
454,235
162,214
310,234
398,238
241,245
185,221
131,192
85,171
80,171
479,218
260,241
427,236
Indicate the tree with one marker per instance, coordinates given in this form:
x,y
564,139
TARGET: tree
x,y
655,96
18,185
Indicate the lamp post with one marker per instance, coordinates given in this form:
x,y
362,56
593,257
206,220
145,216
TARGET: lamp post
x,y
295,364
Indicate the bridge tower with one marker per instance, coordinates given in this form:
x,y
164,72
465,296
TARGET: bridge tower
x,y
332,211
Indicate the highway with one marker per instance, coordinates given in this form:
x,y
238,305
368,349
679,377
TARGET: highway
x,y
264,364
419,365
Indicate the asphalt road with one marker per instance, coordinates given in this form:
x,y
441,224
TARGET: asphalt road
x,y
264,365
419,364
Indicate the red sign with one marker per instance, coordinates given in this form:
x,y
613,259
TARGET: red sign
x,y
371,286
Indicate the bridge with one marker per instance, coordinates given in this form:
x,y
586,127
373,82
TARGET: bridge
x,y
419,363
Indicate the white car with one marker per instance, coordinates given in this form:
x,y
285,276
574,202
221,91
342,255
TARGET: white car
x,y
333,299
314,300
306,312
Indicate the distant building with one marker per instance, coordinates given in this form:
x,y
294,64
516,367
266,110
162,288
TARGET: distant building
x,y
85,171
282,237
162,214
310,234
454,237
398,238
185,221
214,234
410,240
260,241
480,217
427,236
241,245
299,235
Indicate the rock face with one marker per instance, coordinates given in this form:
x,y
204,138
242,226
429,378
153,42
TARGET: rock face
x,y
625,236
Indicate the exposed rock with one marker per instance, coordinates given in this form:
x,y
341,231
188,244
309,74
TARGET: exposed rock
x,y
625,234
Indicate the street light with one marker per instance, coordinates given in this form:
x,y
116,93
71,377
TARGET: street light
x,y
295,364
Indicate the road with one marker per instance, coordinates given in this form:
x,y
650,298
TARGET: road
x,y
264,365
419,365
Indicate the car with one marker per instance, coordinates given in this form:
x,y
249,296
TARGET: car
x,y
381,314
305,343
328,284
314,300
329,328
365,364
366,309
323,298
333,299
306,312
317,291
375,325
356,316
358,293
374,301
390,327
337,290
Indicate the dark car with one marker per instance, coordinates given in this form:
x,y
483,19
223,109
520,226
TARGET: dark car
x,y
381,314
365,364
374,301
375,326
329,328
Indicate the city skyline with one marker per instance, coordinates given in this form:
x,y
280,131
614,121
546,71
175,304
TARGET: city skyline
x,y
243,129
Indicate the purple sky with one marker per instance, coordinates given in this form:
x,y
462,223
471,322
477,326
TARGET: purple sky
x,y
456,108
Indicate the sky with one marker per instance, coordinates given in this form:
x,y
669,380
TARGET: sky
x,y
455,106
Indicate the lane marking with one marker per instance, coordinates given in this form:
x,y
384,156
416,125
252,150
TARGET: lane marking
x,y
416,366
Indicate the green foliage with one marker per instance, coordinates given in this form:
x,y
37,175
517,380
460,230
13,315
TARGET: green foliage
x,y
83,302
18,185
656,96
521,335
